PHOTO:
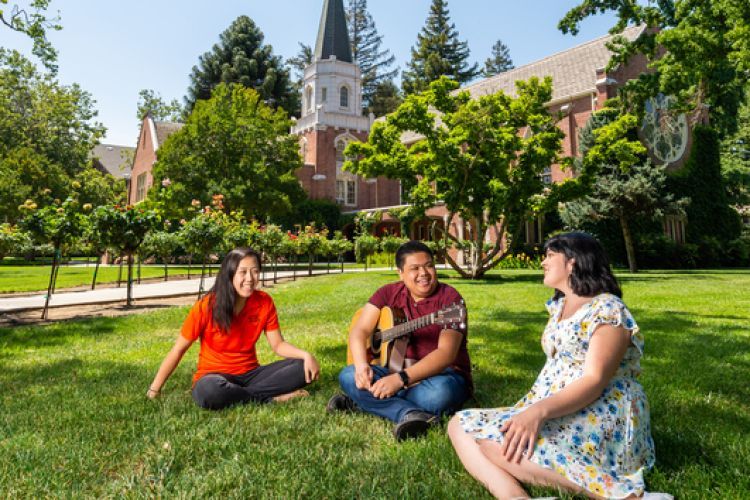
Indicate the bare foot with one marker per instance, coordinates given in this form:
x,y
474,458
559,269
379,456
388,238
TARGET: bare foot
x,y
283,398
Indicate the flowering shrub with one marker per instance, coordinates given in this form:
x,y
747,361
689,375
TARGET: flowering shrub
x,y
520,261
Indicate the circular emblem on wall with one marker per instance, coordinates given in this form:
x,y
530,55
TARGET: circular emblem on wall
x,y
664,131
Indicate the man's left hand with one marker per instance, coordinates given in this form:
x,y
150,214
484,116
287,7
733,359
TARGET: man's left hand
x,y
387,386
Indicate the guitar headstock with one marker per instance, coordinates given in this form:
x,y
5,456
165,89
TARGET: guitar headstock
x,y
452,316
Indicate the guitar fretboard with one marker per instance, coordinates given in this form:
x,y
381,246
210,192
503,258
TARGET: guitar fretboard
x,y
404,328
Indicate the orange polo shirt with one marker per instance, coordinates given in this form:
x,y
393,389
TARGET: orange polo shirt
x,y
232,353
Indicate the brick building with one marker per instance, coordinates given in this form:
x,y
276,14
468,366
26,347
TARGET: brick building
x,y
331,117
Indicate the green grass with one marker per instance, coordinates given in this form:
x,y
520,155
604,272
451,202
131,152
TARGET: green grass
x,y
74,421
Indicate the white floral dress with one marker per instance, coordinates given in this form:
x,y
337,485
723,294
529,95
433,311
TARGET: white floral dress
x,y
605,447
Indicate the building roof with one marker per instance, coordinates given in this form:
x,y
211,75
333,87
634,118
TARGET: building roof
x,y
165,129
573,71
112,159
333,36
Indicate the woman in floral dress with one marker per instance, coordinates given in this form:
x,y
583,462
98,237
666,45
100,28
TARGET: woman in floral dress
x,y
584,425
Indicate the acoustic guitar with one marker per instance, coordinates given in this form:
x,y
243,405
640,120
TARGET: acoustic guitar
x,y
392,324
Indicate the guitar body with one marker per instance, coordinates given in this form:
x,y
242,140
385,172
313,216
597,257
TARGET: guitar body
x,y
377,352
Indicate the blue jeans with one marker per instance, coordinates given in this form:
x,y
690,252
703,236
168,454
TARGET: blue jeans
x,y
441,394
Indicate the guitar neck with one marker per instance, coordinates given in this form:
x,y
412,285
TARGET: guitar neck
x,y
405,328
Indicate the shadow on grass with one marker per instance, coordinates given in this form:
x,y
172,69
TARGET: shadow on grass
x,y
58,334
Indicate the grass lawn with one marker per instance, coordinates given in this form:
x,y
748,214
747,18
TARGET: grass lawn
x,y
75,421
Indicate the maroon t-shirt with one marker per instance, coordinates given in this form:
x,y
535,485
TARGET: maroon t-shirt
x,y
425,340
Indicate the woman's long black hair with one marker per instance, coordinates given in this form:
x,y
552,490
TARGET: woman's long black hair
x,y
222,293
591,274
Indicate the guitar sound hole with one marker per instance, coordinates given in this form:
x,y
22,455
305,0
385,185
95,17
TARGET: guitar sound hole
x,y
376,345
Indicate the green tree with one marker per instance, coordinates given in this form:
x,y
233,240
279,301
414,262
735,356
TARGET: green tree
x,y
161,244
12,240
365,245
387,98
236,145
298,63
339,245
60,225
34,22
46,135
699,51
627,187
202,235
312,244
242,57
125,228
438,53
735,159
477,162
374,62
151,102
499,61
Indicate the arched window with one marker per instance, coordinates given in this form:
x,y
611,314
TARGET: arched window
x,y
340,146
309,99
344,97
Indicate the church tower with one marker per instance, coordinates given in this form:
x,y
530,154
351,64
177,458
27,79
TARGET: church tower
x,y
332,117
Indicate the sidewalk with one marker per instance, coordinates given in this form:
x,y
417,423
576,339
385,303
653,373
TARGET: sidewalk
x,y
143,291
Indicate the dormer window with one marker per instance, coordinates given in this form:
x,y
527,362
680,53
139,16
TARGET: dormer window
x,y
344,97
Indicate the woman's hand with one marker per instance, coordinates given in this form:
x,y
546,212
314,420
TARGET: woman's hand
x,y
520,434
387,386
152,394
312,369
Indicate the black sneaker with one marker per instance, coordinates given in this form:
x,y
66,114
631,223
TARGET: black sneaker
x,y
340,402
413,425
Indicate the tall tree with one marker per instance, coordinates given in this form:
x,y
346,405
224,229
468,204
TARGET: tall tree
x,y
499,61
374,62
699,51
298,63
475,161
627,187
151,102
234,145
35,24
735,159
242,57
438,53
387,98
47,131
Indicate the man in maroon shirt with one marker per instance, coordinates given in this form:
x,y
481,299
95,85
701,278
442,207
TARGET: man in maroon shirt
x,y
439,380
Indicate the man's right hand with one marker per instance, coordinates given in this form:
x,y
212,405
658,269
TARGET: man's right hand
x,y
363,376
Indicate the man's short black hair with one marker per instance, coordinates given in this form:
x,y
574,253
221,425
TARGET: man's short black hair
x,y
408,248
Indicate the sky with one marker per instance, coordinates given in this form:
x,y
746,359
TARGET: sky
x,y
114,49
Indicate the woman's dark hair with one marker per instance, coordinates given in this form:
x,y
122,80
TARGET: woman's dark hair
x,y
408,248
222,293
591,274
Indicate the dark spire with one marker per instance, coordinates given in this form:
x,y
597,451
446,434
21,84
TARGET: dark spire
x,y
333,37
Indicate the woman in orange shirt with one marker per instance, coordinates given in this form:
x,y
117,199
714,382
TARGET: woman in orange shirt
x,y
229,320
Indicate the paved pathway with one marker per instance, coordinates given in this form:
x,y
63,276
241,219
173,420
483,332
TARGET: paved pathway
x,y
142,291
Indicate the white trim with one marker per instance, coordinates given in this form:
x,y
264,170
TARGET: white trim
x,y
154,140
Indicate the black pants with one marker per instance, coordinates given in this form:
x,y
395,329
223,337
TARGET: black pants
x,y
219,390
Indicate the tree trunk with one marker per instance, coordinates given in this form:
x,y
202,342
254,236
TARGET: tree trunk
x,y
119,272
190,264
96,271
341,258
275,270
629,248
309,264
139,269
166,269
294,267
129,302
51,286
